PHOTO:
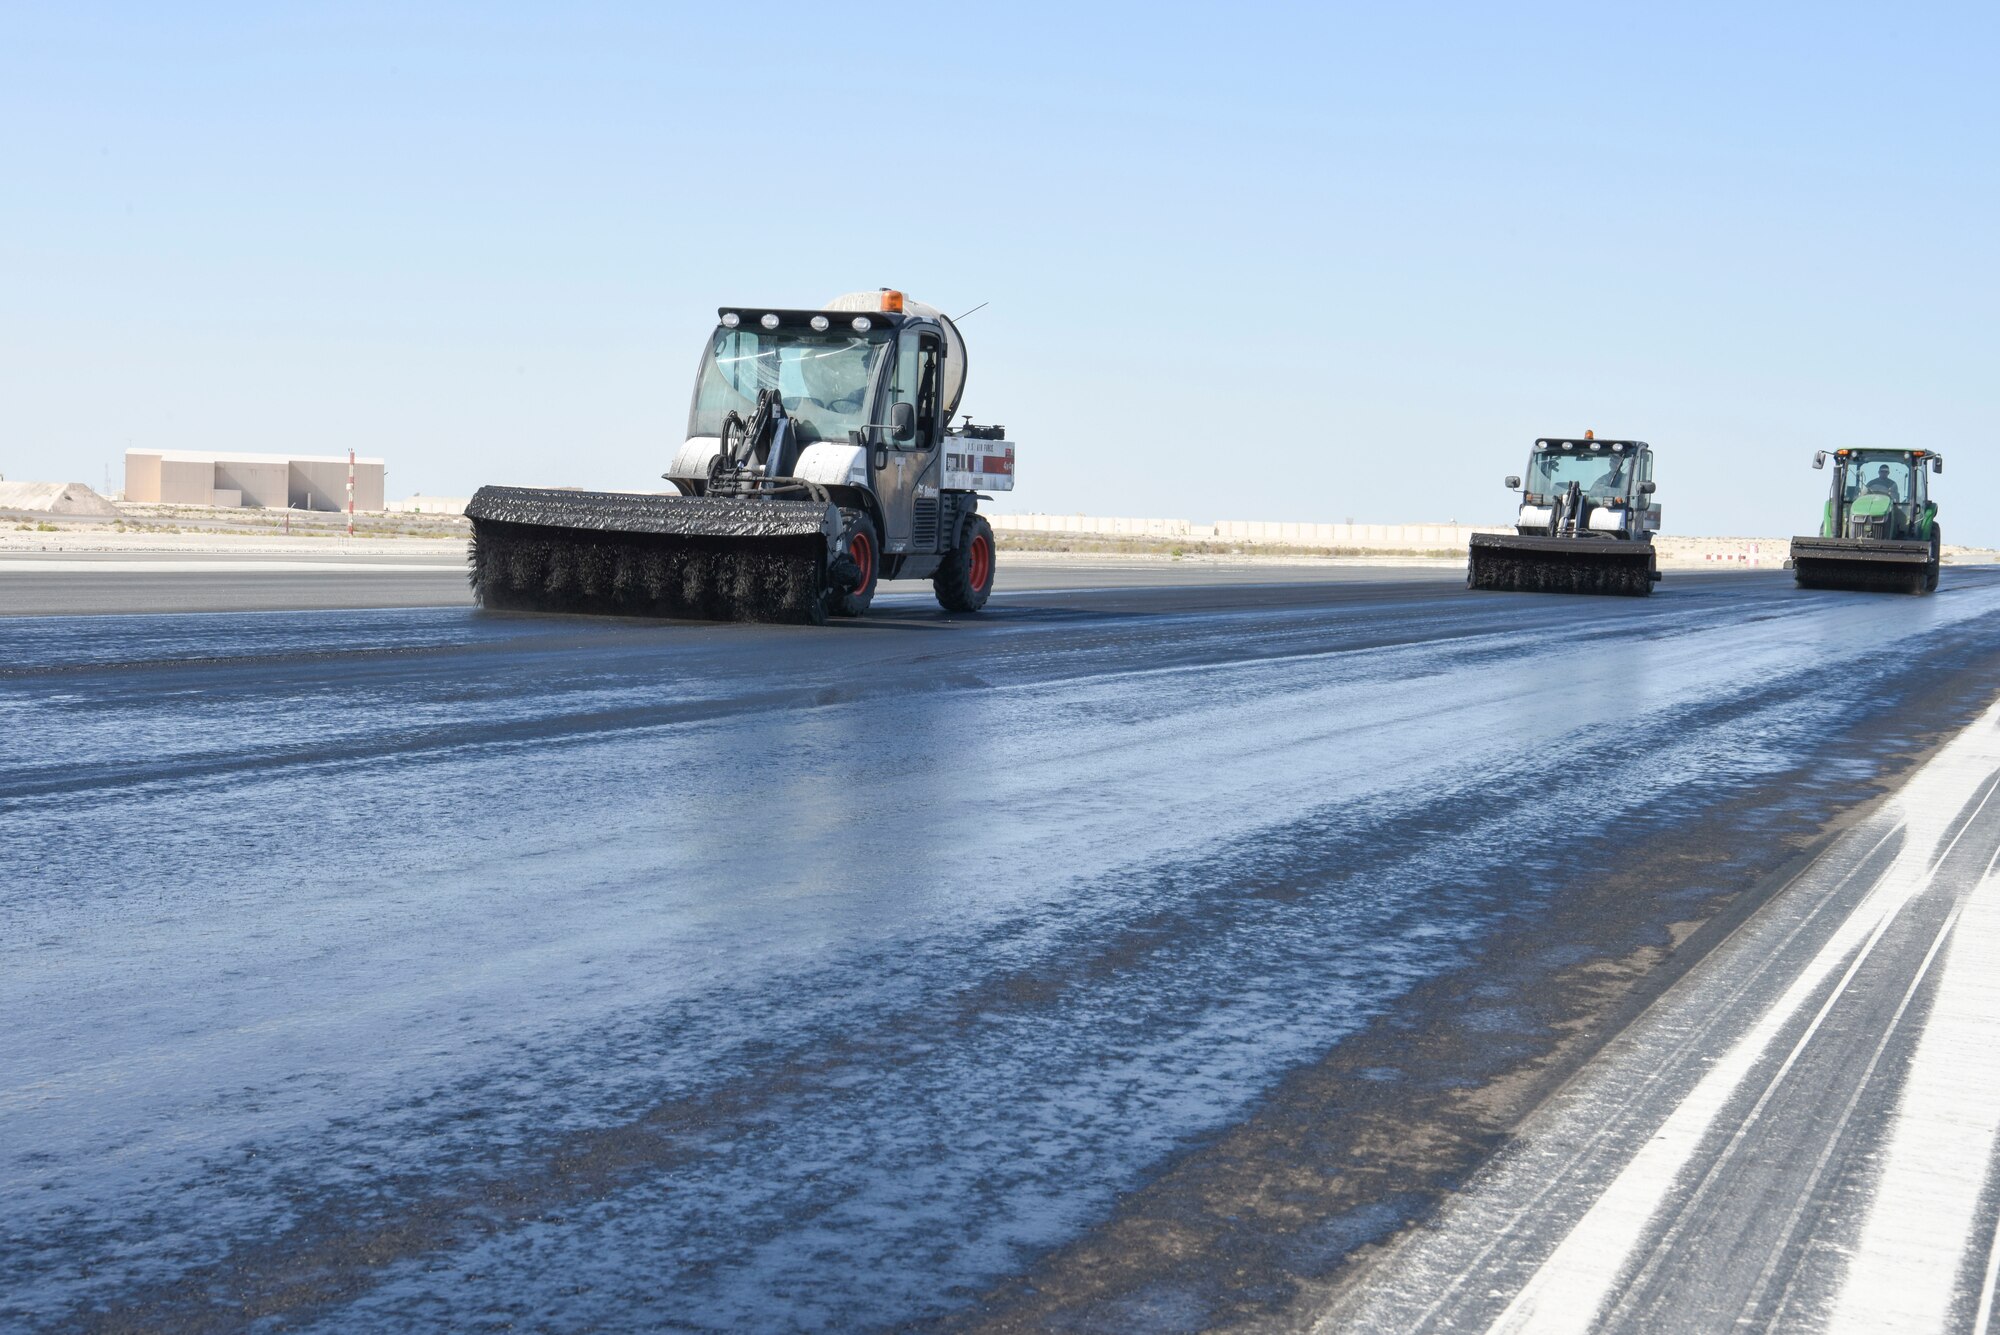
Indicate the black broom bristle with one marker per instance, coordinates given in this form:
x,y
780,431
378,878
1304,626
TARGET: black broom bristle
x,y
1860,576
542,569
1608,571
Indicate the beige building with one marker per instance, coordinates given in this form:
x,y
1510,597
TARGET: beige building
x,y
268,481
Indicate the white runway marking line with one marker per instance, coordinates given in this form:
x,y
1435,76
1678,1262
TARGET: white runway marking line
x,y
1782,1242
1904,1272
1664,1244
1607,1127
1571,1287
1983,1322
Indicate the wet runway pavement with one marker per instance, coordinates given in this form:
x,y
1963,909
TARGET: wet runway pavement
x,y
1129,956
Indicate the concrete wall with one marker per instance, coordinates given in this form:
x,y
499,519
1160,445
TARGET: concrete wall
x,y
1684,553
323,486
1253,532
1406,537
260,482
187,482
1676,552
142,477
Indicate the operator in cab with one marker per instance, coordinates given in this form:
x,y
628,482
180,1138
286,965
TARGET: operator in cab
x,y
1884,485
1611,484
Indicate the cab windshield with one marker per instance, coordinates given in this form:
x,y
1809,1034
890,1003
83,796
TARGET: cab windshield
x,y
1877,475
822,379
1600,473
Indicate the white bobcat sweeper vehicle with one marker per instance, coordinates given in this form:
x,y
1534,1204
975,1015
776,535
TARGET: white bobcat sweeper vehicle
x,y
820,460
1585,525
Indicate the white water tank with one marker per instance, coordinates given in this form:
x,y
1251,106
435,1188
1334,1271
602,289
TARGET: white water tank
x,y
869,303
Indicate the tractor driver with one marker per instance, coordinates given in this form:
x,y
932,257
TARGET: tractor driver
x,y
1884,485
837,377
1612,483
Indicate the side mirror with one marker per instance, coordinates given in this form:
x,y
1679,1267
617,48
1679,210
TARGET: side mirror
x,y
1819,460
1937,463
1513,484
1647,488
902,421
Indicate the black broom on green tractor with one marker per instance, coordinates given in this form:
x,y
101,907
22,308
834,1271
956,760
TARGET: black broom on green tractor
x,y
1879,530
820,459
1585,525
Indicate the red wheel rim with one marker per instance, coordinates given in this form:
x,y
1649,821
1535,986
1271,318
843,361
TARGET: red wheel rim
x,y
982,561
862,552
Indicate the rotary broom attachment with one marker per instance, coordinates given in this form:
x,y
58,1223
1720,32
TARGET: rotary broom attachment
x,y
614,553
1863,564
1521,564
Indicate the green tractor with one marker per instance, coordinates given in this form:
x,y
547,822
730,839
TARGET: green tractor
x,y
1880,528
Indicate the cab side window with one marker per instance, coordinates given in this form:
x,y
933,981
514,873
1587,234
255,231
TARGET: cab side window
x,y
903,385
917,382
929,376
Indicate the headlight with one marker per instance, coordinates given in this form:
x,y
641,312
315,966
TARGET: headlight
x,y
862,324
819,324
731,320
769,322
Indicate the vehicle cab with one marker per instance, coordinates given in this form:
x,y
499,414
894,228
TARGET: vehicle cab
x,y
869,385
1880,494
1588,488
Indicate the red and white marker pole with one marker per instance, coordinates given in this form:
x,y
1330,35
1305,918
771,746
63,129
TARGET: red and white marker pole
x,y
350,492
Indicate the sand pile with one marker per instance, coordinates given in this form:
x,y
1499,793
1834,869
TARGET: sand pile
x,y
55,498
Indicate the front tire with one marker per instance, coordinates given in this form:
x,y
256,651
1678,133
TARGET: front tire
x,y
1937,559
864,548
965,579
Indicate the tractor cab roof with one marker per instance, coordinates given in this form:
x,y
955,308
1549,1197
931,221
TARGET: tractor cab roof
x,y
1570,443
815,321
1860,456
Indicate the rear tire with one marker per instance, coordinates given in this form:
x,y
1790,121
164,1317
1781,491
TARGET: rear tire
x,y
1937,559
864,548
964,580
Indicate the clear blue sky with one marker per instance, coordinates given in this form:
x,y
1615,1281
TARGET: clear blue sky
x,y
1297,262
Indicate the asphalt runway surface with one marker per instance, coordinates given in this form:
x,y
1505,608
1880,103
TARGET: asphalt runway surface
x,y
86,583
100,583
1128,957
